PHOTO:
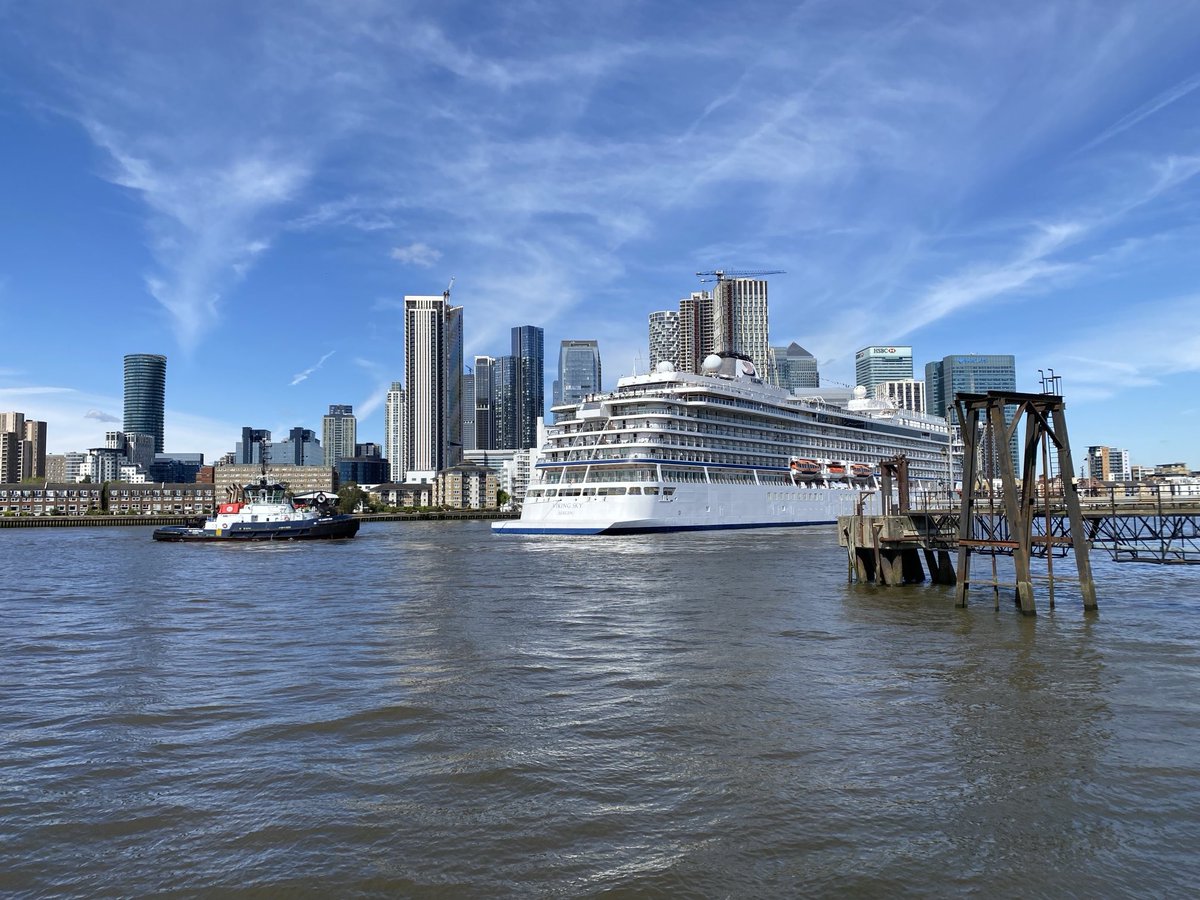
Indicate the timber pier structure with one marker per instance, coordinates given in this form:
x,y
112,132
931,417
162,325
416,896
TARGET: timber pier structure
x,y
1030,518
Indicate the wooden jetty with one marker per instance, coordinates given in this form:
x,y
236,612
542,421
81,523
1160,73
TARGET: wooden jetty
x,y
1035,517
887,549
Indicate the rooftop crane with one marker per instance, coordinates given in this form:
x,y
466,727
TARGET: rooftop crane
x,y
722,275
446,292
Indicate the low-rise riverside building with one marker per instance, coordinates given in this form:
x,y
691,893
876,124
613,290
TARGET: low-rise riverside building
x,y
129,499
51,499
466,486
412,494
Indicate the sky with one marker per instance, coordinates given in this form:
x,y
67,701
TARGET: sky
x,y
252,189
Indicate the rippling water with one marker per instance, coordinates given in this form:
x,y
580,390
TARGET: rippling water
x,y
429,709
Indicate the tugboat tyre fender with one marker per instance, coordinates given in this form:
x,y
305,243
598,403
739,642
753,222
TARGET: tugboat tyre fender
x,y
321,498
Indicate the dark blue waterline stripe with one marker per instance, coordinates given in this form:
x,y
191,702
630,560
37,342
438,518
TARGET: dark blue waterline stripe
x,y
656,528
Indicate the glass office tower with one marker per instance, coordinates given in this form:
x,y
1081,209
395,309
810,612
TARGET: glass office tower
x,y
529,355
578,370
145,395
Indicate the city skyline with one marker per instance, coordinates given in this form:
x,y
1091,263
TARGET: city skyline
x,y
208,184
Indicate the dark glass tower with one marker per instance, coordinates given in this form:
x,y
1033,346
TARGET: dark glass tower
x,y
529,355
504,394
145,395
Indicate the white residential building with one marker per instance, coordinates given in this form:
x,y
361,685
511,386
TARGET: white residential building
x,y
740,320
393,431
433,369
906,393
664,338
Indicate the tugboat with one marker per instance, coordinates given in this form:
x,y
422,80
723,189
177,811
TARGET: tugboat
x,y
265,513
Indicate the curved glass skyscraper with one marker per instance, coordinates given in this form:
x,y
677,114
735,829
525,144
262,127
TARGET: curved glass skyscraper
x,y
145,395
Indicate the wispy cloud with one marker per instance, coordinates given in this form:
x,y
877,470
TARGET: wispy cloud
x,y
301,376
373,402
1151,349
207,220
417,254
100,416
1163,100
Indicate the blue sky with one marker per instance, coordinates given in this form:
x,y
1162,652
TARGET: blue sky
x,y
251,189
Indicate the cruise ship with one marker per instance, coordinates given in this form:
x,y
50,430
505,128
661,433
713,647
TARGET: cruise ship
x,y
677,451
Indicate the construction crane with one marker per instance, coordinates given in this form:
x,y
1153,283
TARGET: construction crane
x,y
446,292
722,275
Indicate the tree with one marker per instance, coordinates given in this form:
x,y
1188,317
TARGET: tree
x,y
502,498
349,497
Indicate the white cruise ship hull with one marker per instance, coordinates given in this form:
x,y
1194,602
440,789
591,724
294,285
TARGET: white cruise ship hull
x,y
691,507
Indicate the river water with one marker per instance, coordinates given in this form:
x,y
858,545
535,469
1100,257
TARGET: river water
x,y
431,710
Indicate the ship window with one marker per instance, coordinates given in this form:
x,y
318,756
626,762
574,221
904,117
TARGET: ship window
x,y
651,490
668,491
635,490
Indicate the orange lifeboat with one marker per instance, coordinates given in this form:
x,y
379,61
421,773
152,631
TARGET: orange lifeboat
x,y
860,470
805,468
836,469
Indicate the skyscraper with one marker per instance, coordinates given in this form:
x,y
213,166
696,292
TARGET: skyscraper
x,y
504,387
664,339
393,431
12,437
793,368
877,364
35,448
578,370
485,403
740,319
248,451
528,350
145,395
468,411
433,369
967,373
696,331
972,374
302,448
338,433
23,449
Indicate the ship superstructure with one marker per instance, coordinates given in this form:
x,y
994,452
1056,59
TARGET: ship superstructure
x,y
675,451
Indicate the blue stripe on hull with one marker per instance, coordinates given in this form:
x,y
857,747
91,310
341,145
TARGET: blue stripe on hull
x,y
535,530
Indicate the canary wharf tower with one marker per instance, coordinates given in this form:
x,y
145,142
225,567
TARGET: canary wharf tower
x,y
145,395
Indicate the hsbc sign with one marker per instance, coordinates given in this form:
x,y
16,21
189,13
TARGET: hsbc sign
x,y
883,351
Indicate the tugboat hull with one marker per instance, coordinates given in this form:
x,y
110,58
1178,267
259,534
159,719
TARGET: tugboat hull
x,y
319,529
